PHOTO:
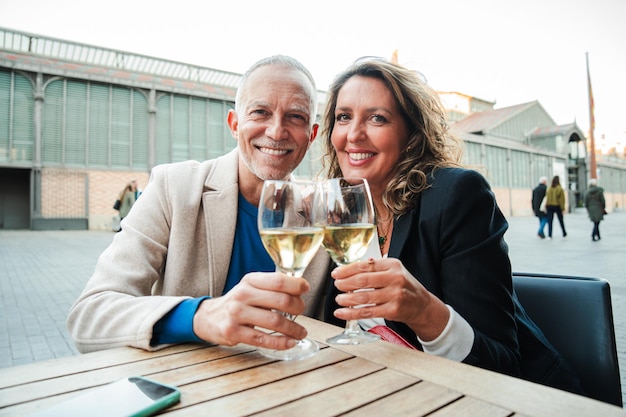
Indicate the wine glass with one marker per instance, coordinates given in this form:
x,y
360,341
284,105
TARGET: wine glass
x,y
291,225
350,225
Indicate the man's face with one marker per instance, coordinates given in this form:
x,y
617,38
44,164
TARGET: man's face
x,y
273,124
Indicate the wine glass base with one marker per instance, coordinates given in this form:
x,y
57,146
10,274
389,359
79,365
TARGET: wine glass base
x,y
353,338
305,348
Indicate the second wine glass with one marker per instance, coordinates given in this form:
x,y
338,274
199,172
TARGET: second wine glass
x,y
350,225
291,225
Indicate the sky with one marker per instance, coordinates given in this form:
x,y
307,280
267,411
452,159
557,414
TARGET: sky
x,y
507,52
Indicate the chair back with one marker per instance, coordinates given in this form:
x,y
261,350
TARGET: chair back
x,y
576,316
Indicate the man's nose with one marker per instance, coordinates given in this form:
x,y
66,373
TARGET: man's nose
x,y
276,129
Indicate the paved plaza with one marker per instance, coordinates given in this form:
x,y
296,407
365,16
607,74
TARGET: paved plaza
x,y
42,273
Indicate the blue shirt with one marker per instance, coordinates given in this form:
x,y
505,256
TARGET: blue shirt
x,y
248,255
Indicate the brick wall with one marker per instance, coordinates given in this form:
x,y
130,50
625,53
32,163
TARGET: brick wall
x,y
63,194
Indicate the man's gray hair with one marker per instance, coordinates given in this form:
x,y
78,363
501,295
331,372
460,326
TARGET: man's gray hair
x,y
286,61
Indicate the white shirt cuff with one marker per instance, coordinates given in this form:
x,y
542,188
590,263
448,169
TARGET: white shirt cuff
x,y
455,341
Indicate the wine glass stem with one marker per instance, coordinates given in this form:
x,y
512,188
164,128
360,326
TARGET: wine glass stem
x,y
291,317
352,326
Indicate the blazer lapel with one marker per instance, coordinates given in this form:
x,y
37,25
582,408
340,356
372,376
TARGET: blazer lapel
x,y
220,205
401,229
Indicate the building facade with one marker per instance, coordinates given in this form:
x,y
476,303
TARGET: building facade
x,y
78,122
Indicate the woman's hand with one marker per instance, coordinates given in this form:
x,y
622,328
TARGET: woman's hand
x,y
232,318
392,293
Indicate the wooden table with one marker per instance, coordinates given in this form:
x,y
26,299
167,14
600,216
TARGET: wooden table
x,y
378,379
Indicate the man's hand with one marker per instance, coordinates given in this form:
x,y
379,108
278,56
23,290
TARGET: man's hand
x,y
232,318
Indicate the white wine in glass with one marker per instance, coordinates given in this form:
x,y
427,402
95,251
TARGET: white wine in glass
x,y
291,225
350,225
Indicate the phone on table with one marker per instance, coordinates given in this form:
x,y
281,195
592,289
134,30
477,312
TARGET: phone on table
x,y
129,397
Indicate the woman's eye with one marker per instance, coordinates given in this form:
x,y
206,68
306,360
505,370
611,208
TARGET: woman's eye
x,y
342,117
377,118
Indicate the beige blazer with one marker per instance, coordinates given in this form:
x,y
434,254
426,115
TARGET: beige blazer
x,y
175,244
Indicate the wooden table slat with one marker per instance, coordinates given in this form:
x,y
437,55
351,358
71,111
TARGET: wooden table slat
x,y
402,403
344,397
183,376
270,395
471,407
103,375
246,379
48,369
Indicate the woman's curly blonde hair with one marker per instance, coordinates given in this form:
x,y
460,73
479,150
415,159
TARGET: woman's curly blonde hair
x,y
431,145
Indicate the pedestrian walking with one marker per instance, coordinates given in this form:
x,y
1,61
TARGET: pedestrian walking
x,y
596,207
124,203
555,204
539,193
127,198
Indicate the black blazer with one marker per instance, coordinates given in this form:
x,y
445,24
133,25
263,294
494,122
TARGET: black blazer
x,y
453,243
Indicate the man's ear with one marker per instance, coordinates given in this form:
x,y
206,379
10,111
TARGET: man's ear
x,y
233,123
313,133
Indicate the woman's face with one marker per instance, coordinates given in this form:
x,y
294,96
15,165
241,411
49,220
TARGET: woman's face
x,y
369,133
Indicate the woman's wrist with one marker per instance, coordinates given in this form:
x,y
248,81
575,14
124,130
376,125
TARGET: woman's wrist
x,y
432,321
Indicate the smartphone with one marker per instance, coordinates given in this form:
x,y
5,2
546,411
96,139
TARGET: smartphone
x,y
130,397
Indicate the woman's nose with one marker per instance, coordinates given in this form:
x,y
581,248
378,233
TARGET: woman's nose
x,y
356,132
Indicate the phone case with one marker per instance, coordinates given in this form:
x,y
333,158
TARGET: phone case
x,y
163,403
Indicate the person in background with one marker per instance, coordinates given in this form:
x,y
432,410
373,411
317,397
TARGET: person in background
x,y
555,204
539,192
189,265
596,207
138,190
127,199
441,276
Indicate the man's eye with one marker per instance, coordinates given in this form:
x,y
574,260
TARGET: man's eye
x,y
298,119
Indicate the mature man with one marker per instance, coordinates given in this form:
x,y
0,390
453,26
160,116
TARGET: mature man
x,y
186,265
539,192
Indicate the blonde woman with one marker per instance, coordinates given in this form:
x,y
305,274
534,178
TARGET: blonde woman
x,y
555,204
